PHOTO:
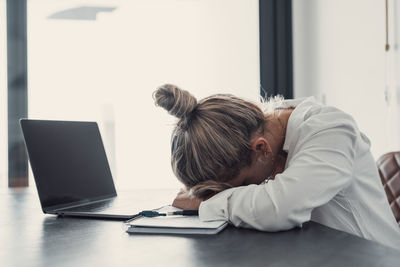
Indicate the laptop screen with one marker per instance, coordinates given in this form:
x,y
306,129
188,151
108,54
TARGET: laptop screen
x,y
68,162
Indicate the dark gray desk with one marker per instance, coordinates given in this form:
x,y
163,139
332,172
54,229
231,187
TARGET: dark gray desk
x,y
29,238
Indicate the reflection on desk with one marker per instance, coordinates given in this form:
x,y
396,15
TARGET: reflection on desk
x,y
31,238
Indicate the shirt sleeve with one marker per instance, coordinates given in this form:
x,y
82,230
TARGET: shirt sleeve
x,y
320,168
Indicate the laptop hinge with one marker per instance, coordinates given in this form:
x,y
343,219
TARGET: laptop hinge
x,y
81,204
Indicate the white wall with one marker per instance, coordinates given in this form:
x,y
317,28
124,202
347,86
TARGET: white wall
x,y
339,57
393,75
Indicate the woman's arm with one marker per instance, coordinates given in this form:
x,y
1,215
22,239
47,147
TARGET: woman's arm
x,y
321,167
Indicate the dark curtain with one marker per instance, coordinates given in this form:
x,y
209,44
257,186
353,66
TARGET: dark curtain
x,y
276,64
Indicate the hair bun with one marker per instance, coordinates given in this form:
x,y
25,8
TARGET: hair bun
x,y
176,101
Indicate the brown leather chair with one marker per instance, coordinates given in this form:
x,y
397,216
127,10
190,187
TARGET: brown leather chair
x,y
389,170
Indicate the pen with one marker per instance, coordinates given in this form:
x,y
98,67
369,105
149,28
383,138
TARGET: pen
x,y
152,213
184,212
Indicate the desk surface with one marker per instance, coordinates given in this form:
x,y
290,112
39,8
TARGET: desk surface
x,y
30,238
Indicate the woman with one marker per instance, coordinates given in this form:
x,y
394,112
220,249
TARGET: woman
x,y
274,170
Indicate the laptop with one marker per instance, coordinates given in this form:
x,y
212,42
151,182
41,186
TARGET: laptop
x,y
71,171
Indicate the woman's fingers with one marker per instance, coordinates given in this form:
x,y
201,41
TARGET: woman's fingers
x,y
184,201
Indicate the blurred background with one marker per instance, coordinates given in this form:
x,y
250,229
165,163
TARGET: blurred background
x,y
101,61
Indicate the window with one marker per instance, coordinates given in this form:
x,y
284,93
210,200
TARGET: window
x,y
3,96
101,61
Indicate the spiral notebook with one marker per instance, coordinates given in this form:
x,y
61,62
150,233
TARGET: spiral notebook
x,y
175,224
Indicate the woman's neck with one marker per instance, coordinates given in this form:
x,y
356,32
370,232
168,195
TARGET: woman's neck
x,y
276,125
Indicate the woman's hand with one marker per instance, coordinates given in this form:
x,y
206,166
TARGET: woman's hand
x,y
184,201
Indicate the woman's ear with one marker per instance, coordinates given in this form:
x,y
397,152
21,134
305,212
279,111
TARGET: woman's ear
x,y
261,146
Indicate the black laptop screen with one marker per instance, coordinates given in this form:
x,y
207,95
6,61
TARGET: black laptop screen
x,y
68,161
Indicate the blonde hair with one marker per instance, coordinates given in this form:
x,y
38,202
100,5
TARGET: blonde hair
x,y
210,144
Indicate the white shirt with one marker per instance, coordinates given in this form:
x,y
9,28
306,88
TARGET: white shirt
x,y
330,177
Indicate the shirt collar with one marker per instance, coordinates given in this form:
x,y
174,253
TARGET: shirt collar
x,y
302,105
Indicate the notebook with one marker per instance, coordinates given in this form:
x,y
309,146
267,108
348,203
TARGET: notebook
x,y
175,224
